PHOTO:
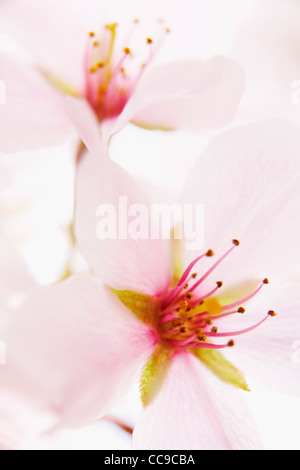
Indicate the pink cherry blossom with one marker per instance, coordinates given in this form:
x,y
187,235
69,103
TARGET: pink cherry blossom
x,y
20,419
76,347
15,279
76,57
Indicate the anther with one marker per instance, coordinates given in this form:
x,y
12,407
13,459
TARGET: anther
x,y
210,253
127,51
241,310
189,296
214,330
149,41
271,313
194,275
202,338
219,284
92,34
236,242
231,344
183,304
266,281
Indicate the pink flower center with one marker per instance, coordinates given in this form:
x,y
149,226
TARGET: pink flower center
x,y
191,319
110,80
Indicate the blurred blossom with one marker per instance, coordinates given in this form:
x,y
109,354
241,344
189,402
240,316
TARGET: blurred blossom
x,y
111,80
20,421
36,207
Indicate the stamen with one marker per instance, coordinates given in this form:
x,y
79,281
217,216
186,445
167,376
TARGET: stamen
x,y
171,332
214,346
167,319
184,343
231,313
108,87
214,266
210,253
173,293
246,299
241,332
211,293
202,338
175,308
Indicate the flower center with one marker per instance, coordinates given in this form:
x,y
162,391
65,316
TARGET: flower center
x,y
189,319
110,80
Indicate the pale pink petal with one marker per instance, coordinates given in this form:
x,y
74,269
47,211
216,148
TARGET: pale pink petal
x,y
248,181
106,236
74,349
20,422
271,353
195,410
14,276
32,115
54,31
189,95
84,121
272,52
